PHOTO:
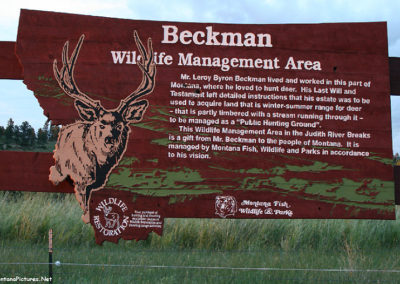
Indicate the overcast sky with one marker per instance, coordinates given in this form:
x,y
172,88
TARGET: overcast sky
x,y
18,102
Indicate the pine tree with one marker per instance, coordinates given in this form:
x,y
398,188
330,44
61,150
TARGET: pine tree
x,y
43,133
27,134
9,132
54,130
17,135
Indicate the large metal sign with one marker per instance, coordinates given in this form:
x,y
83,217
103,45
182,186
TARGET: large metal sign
x,y
164,119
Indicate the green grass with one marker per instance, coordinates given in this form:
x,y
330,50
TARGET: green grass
x,y
285,244
140,258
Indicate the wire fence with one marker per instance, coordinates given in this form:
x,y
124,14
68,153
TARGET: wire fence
x,y
148,265
347,270
350,275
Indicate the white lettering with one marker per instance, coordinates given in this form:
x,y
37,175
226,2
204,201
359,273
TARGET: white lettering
x,y
212,37
170,31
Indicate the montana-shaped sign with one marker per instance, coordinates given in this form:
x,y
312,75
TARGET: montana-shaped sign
x,y
204,120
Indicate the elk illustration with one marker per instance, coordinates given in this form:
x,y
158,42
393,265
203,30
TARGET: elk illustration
x,y
111,218
89,149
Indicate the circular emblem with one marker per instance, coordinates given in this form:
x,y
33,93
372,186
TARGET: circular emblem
x,y
225,206
109,218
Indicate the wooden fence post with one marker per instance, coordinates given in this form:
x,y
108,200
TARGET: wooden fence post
x,y
51,255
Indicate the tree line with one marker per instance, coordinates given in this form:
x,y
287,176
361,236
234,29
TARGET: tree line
x,y
24,135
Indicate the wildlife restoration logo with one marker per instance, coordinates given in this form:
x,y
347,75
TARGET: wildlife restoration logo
x,y
110,219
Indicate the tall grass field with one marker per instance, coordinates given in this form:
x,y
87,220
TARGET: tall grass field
x,y
194,250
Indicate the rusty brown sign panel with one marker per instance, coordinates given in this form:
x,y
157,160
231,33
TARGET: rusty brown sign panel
x,y
164,119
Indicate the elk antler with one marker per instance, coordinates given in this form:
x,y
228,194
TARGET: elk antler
x,y
148,68
65,76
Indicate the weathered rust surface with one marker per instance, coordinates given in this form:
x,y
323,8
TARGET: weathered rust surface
x,y
282,139
28,171
10,67
31,172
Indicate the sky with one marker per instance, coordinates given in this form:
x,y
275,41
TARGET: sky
x,y
18,103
